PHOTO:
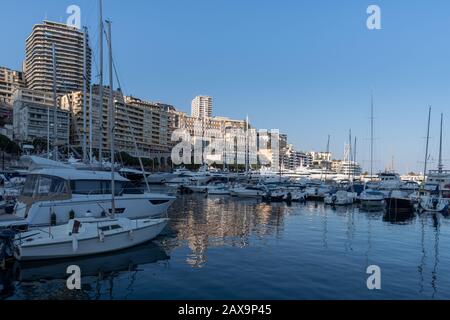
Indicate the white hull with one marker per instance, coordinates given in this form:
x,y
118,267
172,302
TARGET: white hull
x,y
223,192
434,205
64,248
243,193
127,206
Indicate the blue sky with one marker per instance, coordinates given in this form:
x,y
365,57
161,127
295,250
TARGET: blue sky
x,y
305,67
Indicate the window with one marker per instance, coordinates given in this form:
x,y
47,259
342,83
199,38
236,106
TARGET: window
x,y
157,202
88,187
37,185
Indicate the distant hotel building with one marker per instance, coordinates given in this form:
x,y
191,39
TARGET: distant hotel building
x,y
69,45
202,107
31,111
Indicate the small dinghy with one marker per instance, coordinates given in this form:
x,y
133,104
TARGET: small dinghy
x,y
86,236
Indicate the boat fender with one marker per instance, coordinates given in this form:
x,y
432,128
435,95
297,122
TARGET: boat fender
x,y
52,218
102,237
74,243
131,235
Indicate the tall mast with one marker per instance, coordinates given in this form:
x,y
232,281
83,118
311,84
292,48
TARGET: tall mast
x,y
111,119
84,95
328,152
426,149
90,124
55,116
440,165
371,137
350,155
100,44
247,147
48,133
354,158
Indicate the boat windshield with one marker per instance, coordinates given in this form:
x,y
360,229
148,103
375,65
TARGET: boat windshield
x,y
44,186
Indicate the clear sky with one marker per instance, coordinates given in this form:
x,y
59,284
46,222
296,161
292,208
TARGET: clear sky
x,y
304,67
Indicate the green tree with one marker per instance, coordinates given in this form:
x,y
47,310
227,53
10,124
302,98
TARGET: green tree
x,y
8,146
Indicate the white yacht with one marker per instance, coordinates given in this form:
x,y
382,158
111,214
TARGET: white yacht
x,y
340,198
184,176
86,236
248,191
53,196
372,199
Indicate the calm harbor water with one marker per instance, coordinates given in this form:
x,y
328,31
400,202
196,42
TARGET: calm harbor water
x,y
225,248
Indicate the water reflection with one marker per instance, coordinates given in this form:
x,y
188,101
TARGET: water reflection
x,y
221,222
97,271
399,217
216,243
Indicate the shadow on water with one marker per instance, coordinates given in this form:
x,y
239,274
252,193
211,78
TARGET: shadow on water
x,y
100,267
399,216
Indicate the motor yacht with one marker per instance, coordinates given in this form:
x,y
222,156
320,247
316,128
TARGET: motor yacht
x,y
53,196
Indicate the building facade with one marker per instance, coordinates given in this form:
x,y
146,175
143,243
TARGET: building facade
x,y
10,81
69,47
202,107
146,123
32,111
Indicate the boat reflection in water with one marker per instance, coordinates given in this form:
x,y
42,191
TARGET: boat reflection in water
x,y
94,269
222,222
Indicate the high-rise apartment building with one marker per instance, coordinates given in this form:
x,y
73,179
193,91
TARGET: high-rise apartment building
x,y
69,48
202,107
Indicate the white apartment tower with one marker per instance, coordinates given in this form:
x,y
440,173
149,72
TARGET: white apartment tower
x,y
69,47
202,107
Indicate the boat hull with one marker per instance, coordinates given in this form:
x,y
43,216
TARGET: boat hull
x,y
90,246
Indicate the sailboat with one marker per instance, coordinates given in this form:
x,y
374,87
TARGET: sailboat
x,y
88,236
371,199
437,199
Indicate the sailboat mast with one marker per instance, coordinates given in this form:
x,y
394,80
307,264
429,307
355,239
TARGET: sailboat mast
x,y
328,152
100,45
90,124
426,148
111,119
371,138
247,146
55,113
84,95
350,152
440,165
